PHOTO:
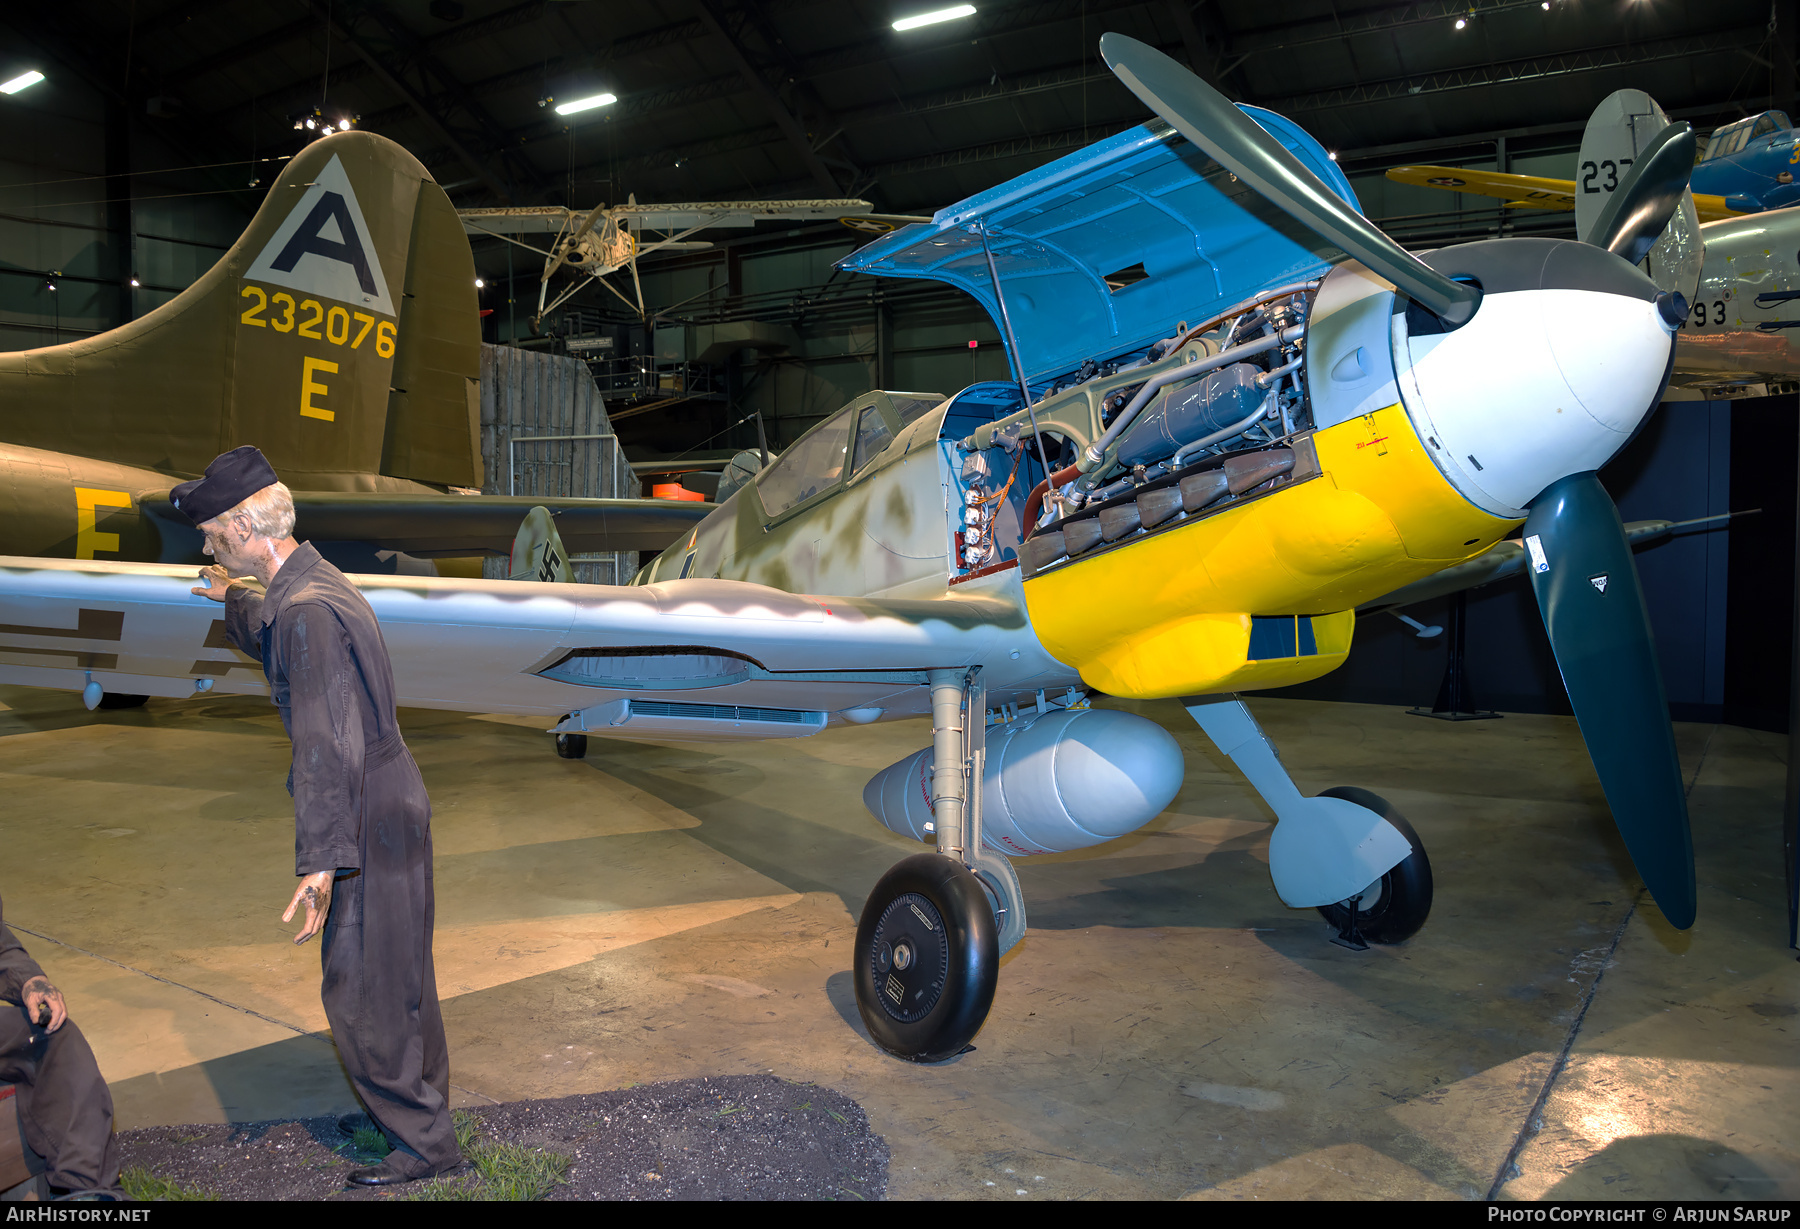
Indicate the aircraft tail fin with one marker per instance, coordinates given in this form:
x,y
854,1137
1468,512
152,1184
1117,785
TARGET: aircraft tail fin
x,y
537,552
340,334
1620,129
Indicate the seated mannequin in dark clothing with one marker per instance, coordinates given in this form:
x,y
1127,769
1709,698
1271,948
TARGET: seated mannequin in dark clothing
x,y
65,1111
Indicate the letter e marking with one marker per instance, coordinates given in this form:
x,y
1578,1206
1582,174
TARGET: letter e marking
x,y
309,387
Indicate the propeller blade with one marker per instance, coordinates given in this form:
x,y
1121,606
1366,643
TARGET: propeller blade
x,y
1236,142
1649,196
1593,607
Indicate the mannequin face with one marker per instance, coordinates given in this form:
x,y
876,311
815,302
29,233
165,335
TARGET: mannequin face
x,y
230,542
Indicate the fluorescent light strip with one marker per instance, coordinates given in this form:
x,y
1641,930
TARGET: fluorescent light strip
x,y
587,104
20,82
931,19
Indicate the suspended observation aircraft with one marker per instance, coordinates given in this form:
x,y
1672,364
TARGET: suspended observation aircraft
x,y
1734,257
1240,411
340,335
606,239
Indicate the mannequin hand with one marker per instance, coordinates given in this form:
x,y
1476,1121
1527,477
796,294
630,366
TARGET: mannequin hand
x,y
40,995
314,893
217,579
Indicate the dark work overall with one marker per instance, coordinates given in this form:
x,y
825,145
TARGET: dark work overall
x,y
360,809
379,990
65,1110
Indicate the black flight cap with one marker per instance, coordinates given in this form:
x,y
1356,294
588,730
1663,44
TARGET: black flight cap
x,y
232,478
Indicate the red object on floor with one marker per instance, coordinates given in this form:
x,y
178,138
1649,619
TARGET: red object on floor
x,y
674,490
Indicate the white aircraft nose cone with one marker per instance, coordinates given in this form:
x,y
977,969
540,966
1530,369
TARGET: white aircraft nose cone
x,y
1539,385
1613,353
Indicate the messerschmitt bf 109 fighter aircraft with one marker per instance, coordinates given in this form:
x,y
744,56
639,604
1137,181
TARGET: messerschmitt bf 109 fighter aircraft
x,y
340,334
1240,411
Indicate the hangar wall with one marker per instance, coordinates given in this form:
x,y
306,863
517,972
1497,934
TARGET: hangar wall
x,y
527,396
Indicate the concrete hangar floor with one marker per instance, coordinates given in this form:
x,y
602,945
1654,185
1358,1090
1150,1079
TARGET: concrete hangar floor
x,y
1167,1029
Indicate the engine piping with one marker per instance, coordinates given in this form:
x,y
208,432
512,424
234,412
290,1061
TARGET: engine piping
x,y
1095,453
1224,433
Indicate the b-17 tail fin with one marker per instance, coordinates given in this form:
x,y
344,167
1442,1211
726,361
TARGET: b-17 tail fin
x,y
339,334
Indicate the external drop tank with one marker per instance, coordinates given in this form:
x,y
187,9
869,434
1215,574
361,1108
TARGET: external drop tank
x,y
1056,781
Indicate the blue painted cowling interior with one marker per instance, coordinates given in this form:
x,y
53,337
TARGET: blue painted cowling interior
x,y
1144,197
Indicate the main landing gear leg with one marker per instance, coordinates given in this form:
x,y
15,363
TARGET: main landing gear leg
x,y
929,943
1346,852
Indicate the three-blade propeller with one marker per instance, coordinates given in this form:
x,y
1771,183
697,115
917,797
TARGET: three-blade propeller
x,y
1583,574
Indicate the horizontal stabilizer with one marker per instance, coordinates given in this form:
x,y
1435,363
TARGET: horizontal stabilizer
x,y
447,525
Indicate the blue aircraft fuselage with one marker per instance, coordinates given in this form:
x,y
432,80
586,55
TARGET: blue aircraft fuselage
x,y
1752,164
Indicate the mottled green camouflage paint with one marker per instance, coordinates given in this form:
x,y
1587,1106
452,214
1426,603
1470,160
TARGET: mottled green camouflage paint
x,y
884,533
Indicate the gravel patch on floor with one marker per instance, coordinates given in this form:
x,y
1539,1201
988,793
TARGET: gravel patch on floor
x,y
730,1137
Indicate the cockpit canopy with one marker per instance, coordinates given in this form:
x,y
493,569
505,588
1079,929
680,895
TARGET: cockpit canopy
x,y
816,462
1734,137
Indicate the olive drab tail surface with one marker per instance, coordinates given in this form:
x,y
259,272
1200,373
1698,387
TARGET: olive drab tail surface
x,y
339,334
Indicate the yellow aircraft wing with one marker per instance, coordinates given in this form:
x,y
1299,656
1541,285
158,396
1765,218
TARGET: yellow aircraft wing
x,y
1525,191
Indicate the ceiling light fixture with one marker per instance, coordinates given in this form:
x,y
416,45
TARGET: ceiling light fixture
x,y
135,283
586,104
1461,22
932,18
20,82
479,284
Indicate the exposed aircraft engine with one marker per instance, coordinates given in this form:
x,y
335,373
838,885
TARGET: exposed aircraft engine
x,y
1191,411
1064,780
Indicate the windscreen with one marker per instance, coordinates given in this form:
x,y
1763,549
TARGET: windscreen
x,y
872,435
814,463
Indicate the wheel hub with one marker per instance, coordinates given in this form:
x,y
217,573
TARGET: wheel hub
x,y
911,958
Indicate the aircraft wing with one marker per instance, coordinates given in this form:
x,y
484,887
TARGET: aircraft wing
x,y
706,659
553,219
1525,191
687,216
447,525
528,220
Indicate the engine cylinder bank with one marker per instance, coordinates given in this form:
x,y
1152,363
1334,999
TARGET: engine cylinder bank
x,y
1064,780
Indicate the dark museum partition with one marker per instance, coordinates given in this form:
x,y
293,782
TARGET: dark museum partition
x,y
1760,603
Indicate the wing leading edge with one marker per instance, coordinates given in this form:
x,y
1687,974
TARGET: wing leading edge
x,y
522,648
1526,191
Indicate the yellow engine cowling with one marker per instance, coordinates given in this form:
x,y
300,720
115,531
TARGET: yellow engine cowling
x,y
1262,593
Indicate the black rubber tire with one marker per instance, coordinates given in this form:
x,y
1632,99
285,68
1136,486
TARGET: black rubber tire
x,y
1405,899
119,699
950,1004
572,746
